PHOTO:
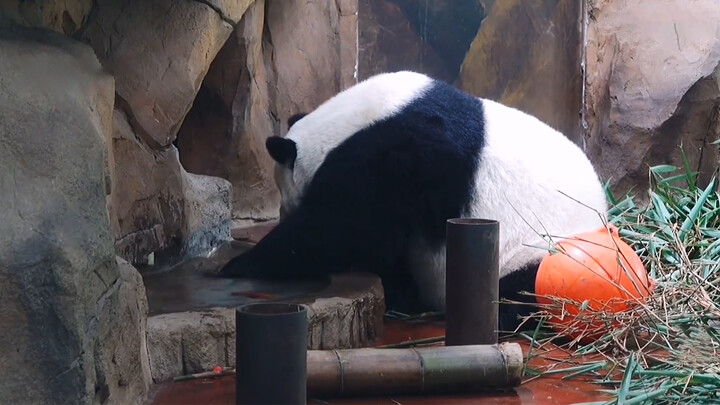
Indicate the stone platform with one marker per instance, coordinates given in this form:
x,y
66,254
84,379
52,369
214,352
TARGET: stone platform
x,y
191,327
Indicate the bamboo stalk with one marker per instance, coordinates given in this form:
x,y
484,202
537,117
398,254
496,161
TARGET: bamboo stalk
x,y
373,371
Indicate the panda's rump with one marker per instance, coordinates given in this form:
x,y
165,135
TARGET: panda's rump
x,y
536,182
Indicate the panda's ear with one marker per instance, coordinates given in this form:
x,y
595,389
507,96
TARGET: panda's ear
x,y
295,118
282,150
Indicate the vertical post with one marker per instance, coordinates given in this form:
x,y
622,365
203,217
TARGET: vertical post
x,y
472,281
271,354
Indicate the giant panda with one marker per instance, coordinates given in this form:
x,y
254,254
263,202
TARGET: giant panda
x,y
369,178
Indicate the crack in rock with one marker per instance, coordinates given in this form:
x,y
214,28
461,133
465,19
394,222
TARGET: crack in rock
x,y
219,11
141,134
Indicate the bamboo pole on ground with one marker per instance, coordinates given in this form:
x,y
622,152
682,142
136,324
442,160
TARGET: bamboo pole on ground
x,y
427,370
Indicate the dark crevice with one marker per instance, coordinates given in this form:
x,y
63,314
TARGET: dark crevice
x,y
219,11
140,132
91,18
710,133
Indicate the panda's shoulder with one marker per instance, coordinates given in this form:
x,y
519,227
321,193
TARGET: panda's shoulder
x,y
358,107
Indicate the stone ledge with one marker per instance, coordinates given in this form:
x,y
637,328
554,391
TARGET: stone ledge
x,y
347,314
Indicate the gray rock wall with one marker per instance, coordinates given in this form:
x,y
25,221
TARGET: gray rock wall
x,y
159,53
73,322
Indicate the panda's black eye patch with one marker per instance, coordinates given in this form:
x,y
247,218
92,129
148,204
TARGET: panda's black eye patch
x,y
282,150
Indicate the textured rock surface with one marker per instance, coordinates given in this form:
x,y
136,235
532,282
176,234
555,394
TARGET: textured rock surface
x,y
188,342
72,320
159,52
123,363
230,121
146,203
207,212
652,83
63,16
275,64
388,43
431,37
528,54
310,62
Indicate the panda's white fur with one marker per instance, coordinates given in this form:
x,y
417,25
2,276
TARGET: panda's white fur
x,y
565,196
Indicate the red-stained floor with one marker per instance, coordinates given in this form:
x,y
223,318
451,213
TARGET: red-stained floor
x,y
549,390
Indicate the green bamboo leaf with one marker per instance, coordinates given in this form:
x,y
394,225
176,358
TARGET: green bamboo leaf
x,y
609,194
649,395
688,171
692,217
627,378
669,180
677,236
659,169
708,378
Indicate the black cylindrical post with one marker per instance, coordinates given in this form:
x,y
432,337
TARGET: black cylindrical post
x,y
271,354
472,281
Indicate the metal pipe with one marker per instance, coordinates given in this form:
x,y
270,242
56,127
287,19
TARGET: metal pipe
x,y
271,354
472,281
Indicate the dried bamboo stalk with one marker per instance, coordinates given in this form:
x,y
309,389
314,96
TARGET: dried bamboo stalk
x,y
372,371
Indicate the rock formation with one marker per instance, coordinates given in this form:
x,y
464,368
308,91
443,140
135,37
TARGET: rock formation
x,y
274,65
527,54
652,84
159,52
431,37
348,314
73,317
63,16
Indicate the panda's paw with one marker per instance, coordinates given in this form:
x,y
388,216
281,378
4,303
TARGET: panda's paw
x,y
237,267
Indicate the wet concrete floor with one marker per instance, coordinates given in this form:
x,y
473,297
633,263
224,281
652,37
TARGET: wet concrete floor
x,y
184,287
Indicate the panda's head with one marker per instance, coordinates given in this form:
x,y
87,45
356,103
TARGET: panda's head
x,y
285,151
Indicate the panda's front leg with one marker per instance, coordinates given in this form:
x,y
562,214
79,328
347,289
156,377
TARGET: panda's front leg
x,y
263,262
240,266
293,250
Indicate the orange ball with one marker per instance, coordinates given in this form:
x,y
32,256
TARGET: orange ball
x,y
598,273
